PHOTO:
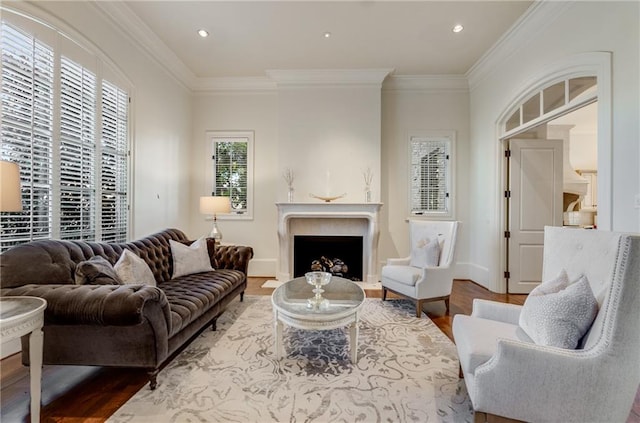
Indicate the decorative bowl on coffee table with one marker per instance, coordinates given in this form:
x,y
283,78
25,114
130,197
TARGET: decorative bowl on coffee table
x,y
318,280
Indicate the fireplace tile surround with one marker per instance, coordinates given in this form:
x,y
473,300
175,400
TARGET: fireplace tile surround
x,y
328,219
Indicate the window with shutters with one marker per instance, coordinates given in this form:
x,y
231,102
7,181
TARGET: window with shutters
x,y
231,169
430,182
66,125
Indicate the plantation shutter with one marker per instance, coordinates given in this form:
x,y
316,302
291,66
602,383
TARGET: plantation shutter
x,y
27,126
115,105
429,175
77,151
231,170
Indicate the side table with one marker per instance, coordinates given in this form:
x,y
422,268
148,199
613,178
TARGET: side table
x,y
24,316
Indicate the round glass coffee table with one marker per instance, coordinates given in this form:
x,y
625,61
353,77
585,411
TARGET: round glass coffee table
x,y
291,306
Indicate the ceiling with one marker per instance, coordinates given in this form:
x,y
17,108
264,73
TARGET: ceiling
x,y
248,37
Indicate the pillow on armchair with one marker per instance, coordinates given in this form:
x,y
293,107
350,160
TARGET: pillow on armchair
x,y
426,252
559,313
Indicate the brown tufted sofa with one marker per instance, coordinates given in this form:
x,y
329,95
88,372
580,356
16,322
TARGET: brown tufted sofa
x,y
121,325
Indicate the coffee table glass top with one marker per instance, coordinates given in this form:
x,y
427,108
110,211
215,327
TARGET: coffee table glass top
x,y
343,295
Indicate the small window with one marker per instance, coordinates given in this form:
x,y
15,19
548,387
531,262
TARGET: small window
x,y
231,169
430,182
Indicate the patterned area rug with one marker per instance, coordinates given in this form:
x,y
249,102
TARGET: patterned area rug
x,y
407,371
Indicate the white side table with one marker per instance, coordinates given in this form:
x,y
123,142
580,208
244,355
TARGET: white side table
x,y
24,316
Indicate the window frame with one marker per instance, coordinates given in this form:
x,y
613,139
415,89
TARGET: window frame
x,y
75,49
448,136
214,136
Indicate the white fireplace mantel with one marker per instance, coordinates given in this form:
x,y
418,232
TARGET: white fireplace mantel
x,y
330,219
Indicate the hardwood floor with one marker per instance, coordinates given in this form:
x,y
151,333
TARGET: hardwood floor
x,y
73,394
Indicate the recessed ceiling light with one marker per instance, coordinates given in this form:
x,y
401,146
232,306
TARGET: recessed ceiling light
x,y
203,33
457,28
326,34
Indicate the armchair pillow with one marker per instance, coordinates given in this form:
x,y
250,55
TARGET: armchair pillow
x,y
96,271
190,259
426,253
559,313
134,270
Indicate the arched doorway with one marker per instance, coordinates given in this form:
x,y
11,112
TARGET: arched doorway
x,y
555,91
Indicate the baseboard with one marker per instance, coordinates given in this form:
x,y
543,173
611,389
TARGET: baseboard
x,y
10,348
262,267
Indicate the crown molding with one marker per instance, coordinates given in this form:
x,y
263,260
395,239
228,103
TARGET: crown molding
x,y
426,83
535,20
141,35
314,77
234,84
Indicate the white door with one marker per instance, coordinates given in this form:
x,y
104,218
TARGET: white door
x,y
535,185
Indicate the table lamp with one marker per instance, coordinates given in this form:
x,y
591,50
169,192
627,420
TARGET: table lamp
x,y
213,205
10,195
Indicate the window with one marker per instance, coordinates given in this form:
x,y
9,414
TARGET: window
x,y
231,169
430,184
67,128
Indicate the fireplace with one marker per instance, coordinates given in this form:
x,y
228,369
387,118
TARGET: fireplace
x,y
338,255
328,220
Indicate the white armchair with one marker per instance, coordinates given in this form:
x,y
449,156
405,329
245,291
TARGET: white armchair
x,y
508,375
426,283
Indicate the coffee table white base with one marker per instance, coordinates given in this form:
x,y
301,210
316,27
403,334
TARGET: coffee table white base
x,y
22,316
352,320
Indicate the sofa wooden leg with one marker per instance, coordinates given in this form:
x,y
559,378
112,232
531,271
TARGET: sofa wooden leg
x,y
242,296
418,308
384,294
214,327
460,373
479,417
153,378
446,304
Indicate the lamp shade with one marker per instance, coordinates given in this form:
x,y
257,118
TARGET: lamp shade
x,y
214,205
10,195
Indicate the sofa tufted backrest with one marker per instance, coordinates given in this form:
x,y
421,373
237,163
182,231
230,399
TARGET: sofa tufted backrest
x,y
54,261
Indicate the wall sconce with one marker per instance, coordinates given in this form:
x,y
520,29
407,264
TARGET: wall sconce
x,y
10,195
212,206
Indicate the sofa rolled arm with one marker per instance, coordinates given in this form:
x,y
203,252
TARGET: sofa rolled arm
x,y
117,305
233,257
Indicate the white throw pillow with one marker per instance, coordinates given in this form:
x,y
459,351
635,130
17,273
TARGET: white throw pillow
x,y
426,253
188,259
559,313
134,270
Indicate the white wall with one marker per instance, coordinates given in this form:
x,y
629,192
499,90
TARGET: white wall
x,y
161,118
328,135
405,112
255,111
577,27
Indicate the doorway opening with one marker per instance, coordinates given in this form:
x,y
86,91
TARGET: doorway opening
x,y
559,106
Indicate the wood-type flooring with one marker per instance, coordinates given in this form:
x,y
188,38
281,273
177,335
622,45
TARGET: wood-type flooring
x,y
73,394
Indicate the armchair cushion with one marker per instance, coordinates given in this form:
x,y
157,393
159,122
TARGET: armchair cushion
x,y
477,339
406,275
558,313
133,269
190,259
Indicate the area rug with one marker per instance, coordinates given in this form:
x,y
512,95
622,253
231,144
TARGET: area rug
x,y
407,371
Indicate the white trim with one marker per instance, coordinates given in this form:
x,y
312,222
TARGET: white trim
x,y
122,17
450,134
533,21
426,83
211,135
311,77
585,64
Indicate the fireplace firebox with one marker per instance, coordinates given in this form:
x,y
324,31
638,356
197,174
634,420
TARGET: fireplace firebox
x,y
339,255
